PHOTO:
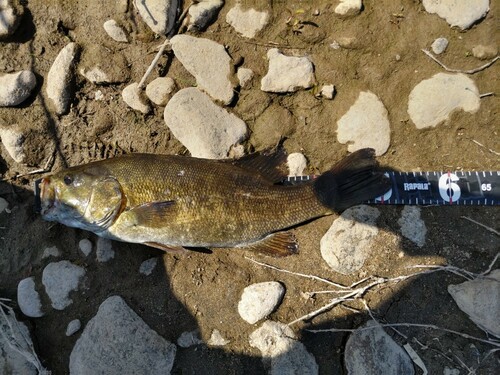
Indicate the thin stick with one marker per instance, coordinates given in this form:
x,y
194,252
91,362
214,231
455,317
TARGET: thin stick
x,y
471,71
489,149
165,44
490,267
46,168
481,225
486,94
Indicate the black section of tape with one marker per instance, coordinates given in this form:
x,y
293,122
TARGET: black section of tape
x,y
38,201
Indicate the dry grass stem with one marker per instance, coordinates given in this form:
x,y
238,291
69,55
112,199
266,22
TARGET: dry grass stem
x,y
471,71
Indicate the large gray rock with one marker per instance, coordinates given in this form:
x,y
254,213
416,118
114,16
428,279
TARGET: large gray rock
x,y
373,352
28,298
205,129
60,79
117,341
259,300
60,279
247,22
15,88
281,351
480,299
159,15
427,106
208,62
461,13
366,124
346,245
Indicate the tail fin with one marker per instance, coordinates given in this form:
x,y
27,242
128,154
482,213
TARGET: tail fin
x,y
353,180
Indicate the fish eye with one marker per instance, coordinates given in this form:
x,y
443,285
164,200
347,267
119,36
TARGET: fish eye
x,y
68,180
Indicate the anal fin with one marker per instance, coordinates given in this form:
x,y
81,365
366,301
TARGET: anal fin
x,y
279,244
166,248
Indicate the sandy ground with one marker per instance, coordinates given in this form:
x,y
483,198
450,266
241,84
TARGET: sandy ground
x,y
201,291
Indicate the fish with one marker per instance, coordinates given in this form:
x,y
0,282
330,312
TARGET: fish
x,y
173,202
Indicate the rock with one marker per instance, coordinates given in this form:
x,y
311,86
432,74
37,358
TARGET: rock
x,y
247,22
51,252
135,98
15,333
458,13
28,298
73,327
216,339
260,300
346,245
296,164
104,250
159,15
480,300
347,42
427,106
60,279
116,341
148,266
13,140
349,7
60,79
485,52
15,88
203,13
160,90
100,65
188,339
204,128
115,31
412,226
287,73
4,205
281,351
245,76
372,351
11,12
85,246
366,124
450,371
439,45
328,91
208,62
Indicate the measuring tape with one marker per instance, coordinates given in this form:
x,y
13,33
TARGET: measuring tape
x,y
436,188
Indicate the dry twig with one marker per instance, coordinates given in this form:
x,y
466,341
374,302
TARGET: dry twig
x,y
481,225
471,71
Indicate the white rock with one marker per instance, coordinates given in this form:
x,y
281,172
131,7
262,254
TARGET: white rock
x,y
366,124
450,371
159,15
427,106
117,341
160,90
148,266
13,139
85,246
480,300
349,7
296,164
73,327
216,339
104,250
412,226
15,88
52,251
115,31
204,128
347,244
188,339
203,13
135,98
247,22
260,300
328,91
208,62
461,13
103,66
287,73
4,205
28,298
482,52
60,279
244,75
372,351
60,79
439,45
281,351
10,16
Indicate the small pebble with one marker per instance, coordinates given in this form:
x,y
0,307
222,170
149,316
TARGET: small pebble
x,y
247,22
10,17
73,327
485,52
245,76
13,140
439,45
15,88
28,298
104,250
216,339
259,300
335,45
135,98
202,13
349,7
4,205
188,339
148,266
60,279
160,90
296,164
348,42
51,252
328,91
398,57
85,246
115,31
412,226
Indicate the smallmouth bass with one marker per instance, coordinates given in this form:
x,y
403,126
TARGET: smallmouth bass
x,y
171,202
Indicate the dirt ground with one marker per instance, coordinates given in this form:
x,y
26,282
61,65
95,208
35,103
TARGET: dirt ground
x,y
201,291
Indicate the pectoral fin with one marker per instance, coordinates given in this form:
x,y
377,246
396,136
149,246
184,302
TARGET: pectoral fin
x,y
153,214
166,248
279,244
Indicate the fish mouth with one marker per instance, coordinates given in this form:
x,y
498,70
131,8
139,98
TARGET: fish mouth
x,y
44,196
